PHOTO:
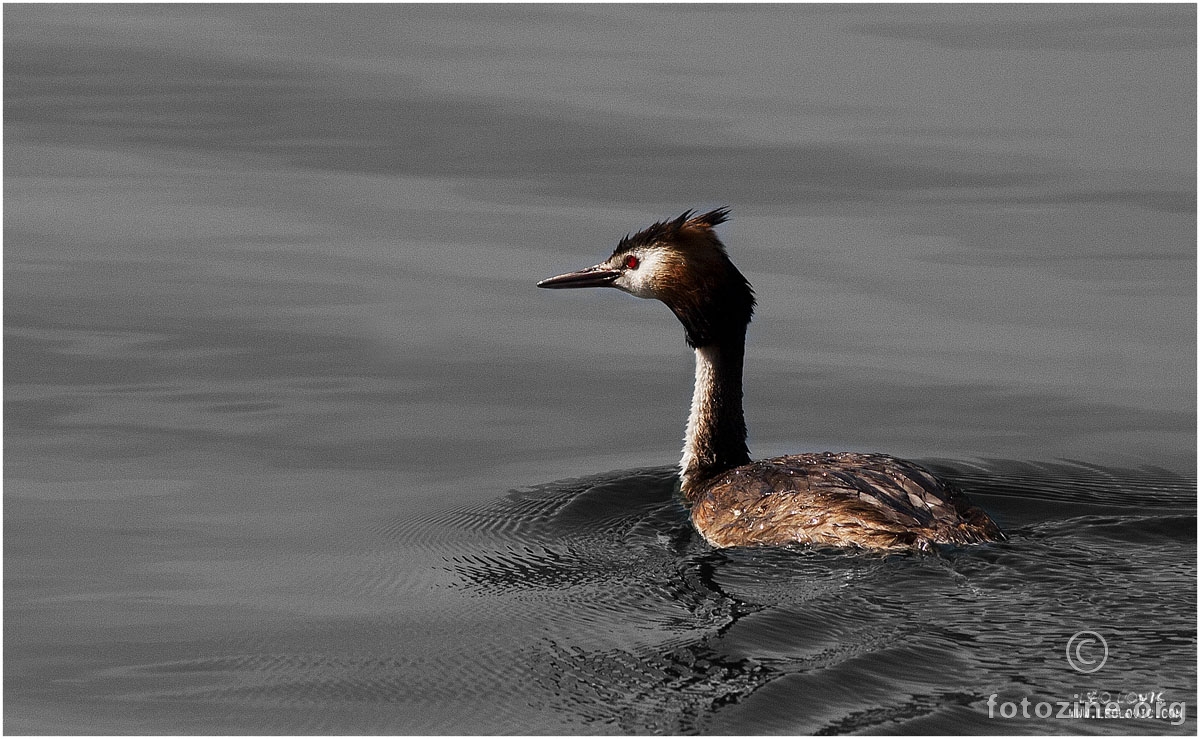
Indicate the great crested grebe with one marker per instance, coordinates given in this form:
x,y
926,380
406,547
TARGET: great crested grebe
x,y
869,501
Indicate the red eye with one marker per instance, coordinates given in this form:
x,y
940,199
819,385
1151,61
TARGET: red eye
x,y
631,262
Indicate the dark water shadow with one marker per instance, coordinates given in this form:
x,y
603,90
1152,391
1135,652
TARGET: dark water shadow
x,y
857,642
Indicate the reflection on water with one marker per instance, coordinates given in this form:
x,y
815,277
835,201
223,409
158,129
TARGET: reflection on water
x,y
589,606
273,354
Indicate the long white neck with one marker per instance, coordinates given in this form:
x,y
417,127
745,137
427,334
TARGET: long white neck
x,y
716,431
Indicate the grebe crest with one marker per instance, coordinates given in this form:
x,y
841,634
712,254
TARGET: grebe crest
x,y
871,501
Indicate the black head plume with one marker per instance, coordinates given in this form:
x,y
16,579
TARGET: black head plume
x,y
666,231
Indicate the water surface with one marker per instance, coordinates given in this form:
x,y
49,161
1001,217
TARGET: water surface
x,y
274,362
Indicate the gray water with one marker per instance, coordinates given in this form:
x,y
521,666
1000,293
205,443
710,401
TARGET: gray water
x,y
292,444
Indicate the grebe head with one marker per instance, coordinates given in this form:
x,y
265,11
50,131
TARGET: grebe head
x,y
682,263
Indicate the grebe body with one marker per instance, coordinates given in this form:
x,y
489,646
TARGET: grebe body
x,y
871,501
868,501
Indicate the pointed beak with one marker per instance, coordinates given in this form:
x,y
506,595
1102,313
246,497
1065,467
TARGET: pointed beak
x,y
598,276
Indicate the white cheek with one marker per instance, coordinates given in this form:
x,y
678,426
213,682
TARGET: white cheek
x,y
639,281
635,282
